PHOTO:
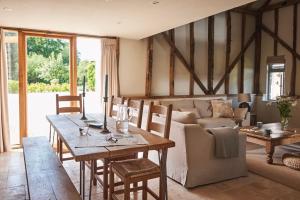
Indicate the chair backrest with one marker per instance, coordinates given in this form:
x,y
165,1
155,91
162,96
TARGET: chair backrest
x,y
166,111
114,101
136,107
68,109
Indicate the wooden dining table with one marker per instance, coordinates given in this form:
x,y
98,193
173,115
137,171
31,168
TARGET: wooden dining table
x,y
83,148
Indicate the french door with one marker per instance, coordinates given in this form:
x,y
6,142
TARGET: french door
x,y
47,66
41,65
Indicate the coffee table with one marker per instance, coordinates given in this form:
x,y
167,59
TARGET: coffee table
x,y
278,137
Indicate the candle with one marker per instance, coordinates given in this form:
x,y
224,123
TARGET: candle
x,y
83,85
106,85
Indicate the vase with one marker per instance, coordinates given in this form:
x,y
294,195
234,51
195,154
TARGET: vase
x,y
284,123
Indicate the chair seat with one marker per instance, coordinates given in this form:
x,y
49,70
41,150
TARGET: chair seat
x,y
135,168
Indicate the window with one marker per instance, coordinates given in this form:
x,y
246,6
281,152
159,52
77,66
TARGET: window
x,y
276,77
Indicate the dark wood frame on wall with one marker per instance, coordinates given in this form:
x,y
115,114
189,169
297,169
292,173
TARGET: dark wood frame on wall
x,y
255,38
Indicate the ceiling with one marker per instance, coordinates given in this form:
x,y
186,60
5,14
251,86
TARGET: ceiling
x,y
135,19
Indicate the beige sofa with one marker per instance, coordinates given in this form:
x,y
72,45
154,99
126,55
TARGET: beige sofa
x,y
192,161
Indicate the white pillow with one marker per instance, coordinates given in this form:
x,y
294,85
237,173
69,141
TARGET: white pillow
x,y
192,110
184,117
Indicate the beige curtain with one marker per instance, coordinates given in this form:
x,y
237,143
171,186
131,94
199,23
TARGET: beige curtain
x,y
4,129
109,66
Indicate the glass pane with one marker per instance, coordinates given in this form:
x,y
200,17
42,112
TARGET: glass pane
x,y
278,66
11,52
48,68
88,64
276,84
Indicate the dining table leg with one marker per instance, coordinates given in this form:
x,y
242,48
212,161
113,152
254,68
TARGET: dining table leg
x,y
105,179
163,175
82,179
91,178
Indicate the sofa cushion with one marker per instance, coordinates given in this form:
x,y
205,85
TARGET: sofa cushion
x,y
184,117
240,113
193,110
216,122
177,104
204,107
222,108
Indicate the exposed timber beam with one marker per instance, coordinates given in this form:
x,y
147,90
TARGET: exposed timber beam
x,y
294,63
228,49
192,57
264,6
244,11
118,66
172,64
281,5
276,14
210,62
149,66
257,53
241,77
184,62
234,62
281,41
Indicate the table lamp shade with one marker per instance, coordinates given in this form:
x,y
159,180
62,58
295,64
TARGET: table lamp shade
x,y
244,97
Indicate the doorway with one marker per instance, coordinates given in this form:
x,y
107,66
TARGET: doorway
x,y
48,74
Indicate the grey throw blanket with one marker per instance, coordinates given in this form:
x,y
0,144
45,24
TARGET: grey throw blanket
x,y
227,142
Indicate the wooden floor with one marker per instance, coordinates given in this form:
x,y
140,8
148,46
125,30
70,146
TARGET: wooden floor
x,y
13,185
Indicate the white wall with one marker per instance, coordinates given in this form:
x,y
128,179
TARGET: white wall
x,y
133,59
132,67
162,51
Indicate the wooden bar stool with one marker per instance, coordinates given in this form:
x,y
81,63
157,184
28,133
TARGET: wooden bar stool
x,y
142,170
135,120
75,106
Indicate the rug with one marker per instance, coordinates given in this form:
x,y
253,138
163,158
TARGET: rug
x,y
256,161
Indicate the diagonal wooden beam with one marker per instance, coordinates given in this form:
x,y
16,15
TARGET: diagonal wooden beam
x,y
234,62
184,62
281,5
263,7
281,41
244,11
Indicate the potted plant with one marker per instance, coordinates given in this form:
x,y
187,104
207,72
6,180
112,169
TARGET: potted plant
x,y
284,105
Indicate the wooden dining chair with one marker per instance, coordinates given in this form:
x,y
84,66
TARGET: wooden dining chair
x,y
114,101
74,106
136,120
143,169
136,111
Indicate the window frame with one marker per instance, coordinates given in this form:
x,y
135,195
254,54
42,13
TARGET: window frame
x,y
271,70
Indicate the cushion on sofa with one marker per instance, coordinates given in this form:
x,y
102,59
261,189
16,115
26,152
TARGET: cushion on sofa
x,y
240,113
222,108
204,107
193,110
216,122
177,104
184,117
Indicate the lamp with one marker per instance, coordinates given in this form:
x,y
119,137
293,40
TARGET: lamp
x,y
244,99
